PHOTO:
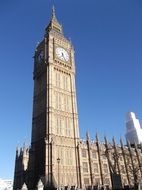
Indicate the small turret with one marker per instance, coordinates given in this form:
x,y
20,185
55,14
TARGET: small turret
x,y
87,136
121,142
128,144
25,151
114,141
106,141
21,151
97,138
17,152
21,165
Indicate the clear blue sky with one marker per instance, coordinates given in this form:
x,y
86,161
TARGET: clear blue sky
x,y
107,36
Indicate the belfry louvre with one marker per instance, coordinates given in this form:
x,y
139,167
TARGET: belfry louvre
x,y
57,156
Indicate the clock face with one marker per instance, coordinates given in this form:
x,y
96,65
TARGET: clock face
x,y
62,54
40,56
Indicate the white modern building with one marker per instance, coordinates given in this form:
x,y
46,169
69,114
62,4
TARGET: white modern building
x,y
133,129
6,184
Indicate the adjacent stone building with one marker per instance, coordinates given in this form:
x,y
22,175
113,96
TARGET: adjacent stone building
x,y
57,156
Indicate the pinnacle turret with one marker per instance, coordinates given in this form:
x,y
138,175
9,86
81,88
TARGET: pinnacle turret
x,y
87,136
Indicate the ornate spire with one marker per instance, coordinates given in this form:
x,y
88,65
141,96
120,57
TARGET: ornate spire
x,y
54,24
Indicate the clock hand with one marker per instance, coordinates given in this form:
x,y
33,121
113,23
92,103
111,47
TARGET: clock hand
x,y
63,56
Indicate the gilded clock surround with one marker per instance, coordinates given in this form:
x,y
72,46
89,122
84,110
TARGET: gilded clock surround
x,y
62,54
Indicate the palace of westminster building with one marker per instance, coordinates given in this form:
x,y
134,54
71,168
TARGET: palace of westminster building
x,y
57,156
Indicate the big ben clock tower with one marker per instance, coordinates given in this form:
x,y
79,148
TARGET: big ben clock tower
x,y
57,156
53,155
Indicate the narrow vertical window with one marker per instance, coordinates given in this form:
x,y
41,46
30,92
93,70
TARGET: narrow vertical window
x,y
69,133
60,125
66,125
84,153
85,167
59,80
65,103
60,101
56,79
96,168
57,124
105,168
64,82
